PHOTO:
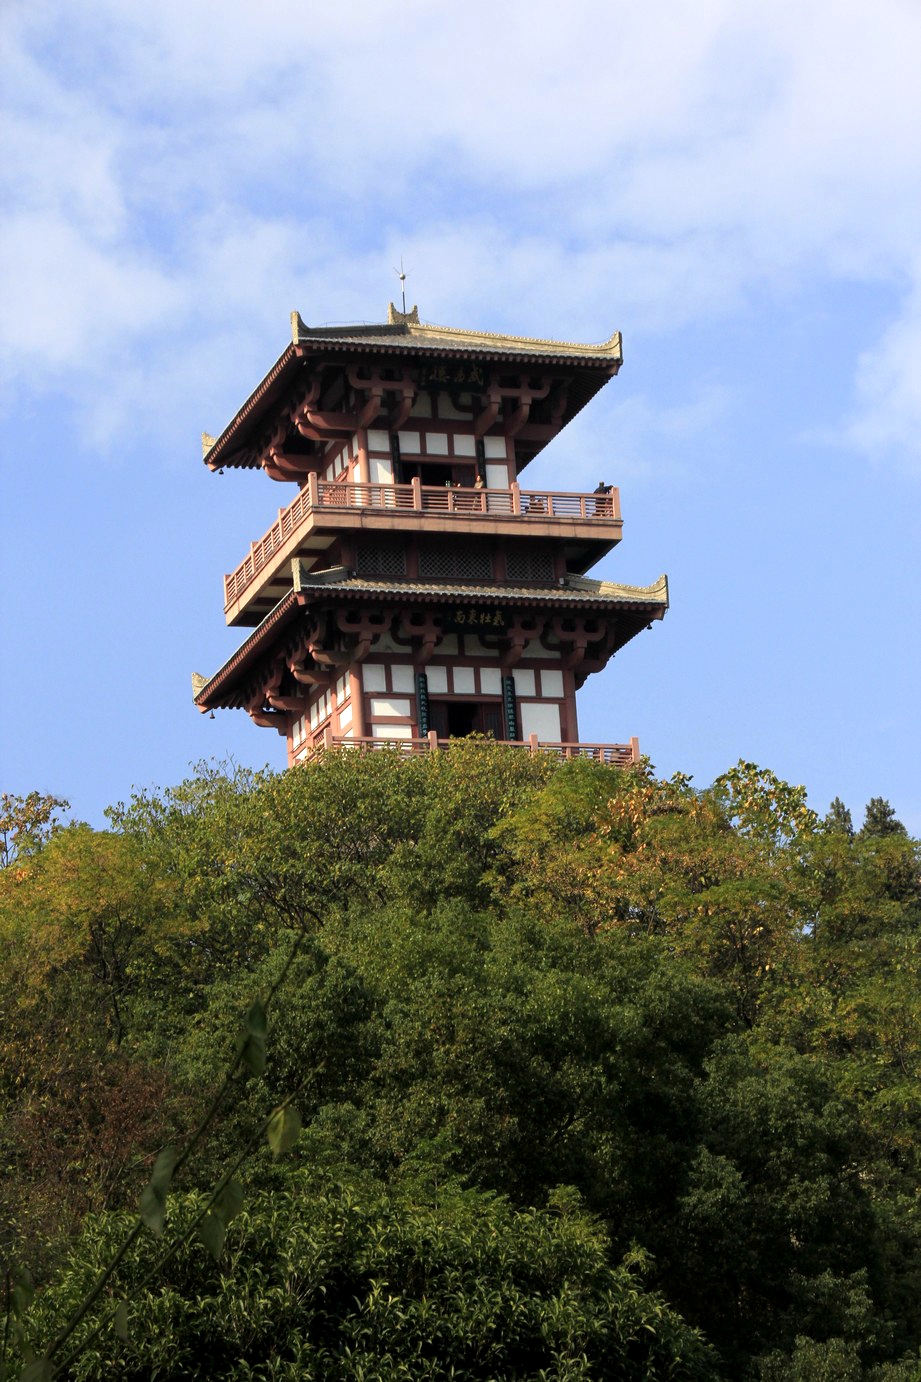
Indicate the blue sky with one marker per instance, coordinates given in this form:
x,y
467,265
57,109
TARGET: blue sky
x,y
733,186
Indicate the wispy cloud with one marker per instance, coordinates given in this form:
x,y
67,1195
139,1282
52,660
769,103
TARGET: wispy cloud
x,y
886,419
178,167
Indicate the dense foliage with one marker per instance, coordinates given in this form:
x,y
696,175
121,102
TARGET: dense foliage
x,y
600,1077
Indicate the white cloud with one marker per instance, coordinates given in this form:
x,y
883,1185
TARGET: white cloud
x,y
69,302
887,418
538,167
627,438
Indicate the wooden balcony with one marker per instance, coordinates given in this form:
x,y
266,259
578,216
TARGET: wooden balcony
x,y
615,755
325,508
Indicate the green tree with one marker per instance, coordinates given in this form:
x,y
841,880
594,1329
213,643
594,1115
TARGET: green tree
x,y
330,1281
699,1008
26,823
839,818
82,918
880,820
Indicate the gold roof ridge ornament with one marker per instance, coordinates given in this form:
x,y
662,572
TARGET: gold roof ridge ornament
x,y
397,318
409,324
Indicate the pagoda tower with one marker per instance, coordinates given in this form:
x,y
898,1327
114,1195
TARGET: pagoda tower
x,y
412,591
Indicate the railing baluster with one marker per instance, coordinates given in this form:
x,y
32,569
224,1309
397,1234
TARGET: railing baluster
x,y
540,504
616,755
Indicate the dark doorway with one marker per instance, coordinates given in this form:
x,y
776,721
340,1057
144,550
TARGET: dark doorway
x,y
462,718
436,473
457,719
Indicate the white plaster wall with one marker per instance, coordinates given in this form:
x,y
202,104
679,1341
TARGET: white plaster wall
x,y
474,648
374,677
386,643
381,471
437,679
541,718
551,684
391,705
447,409
490,681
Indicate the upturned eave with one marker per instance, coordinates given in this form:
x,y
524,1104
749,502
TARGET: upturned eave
x,y
579,594
404,335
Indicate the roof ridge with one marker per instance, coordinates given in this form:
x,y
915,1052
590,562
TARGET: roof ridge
x,y
586,584
300,330
408,326
342,577
613,343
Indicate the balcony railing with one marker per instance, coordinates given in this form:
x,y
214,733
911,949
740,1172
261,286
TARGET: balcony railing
x,y
615,755
325,496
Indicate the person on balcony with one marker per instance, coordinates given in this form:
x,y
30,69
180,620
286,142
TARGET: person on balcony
x,y
603,507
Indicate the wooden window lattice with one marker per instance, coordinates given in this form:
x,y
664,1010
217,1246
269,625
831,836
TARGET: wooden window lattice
x,y
381,559
528,567
451,561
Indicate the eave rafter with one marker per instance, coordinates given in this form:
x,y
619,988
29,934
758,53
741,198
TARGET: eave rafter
x,y
318,649
332,398
331,620
374,400
401,353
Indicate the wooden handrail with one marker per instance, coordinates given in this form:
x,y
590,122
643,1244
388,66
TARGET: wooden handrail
x,y
615,755
418,498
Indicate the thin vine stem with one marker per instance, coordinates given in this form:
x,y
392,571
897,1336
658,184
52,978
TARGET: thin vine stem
x,y
186,1233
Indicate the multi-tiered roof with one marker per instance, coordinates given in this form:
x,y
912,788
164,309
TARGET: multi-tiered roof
x,y
410,538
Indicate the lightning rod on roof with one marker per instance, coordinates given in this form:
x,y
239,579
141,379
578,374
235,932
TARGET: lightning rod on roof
x,y
401,275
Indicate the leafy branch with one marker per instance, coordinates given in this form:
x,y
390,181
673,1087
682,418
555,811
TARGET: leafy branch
x,y
281,1126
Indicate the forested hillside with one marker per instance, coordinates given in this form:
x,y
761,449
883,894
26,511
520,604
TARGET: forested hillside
x,y
595,1076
